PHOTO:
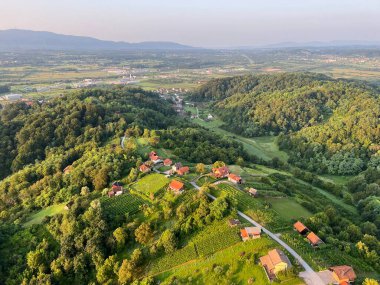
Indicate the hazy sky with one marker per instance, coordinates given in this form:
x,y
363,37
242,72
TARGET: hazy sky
x,y
207,23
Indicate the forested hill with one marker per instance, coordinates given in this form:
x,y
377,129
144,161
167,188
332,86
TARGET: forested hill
x,y
30,133
327,125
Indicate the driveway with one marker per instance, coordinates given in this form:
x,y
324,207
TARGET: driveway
x,y
309,275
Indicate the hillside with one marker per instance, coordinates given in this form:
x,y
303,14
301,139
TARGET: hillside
x,y
35,40
326,125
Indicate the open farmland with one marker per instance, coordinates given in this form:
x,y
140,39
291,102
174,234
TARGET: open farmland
x,y
121,205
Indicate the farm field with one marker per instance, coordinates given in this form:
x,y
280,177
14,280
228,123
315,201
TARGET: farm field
x,y
121,205
262,147
288,208
49,211
233,265
151,183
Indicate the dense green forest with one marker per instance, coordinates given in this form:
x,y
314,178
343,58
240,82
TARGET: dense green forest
x,y
83,129
327,126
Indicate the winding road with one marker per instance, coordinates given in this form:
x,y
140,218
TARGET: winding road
x,y
309,275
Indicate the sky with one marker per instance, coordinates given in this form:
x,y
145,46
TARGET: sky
x,y
202,23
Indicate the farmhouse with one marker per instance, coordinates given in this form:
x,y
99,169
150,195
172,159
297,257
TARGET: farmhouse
x,y
233,222
68,169
176,186
253,192
183,170
314,240
168,162
221,172
250,233
144,168
300,228
154,157
274,262
117,186
343,274
234,178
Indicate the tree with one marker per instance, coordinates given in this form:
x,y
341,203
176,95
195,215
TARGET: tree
x,y
108,271
240,161
143,234
168,241
84,191
218,164
200,168
369,281
125,272
120,236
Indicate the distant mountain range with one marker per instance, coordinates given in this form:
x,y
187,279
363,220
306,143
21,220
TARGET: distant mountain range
x,y
33,40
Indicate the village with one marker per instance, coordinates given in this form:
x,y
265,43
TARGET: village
x,y
276,261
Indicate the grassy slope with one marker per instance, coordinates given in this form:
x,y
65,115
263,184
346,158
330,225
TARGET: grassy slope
x,y
151,183
288,208
49,211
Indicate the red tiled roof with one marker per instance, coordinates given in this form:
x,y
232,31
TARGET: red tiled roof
x,y
244,233
168,161
176,185
234,177
344,272
144,168
313,238
300,227
183,170
221,171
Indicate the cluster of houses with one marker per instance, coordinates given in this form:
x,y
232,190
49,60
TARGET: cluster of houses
x,y
154,159
224,172
313,239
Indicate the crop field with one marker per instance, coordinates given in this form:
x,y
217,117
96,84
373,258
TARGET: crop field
x,y
49,211
288,208
121,205
233,265
151,183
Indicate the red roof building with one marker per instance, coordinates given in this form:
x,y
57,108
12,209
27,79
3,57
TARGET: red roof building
x,y
153,156
176,186
116,186
314,239
221,172
144,169
250,233
168,162
183,170
343,274
300,227
234,178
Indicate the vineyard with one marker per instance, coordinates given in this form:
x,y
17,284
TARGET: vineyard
x,y
120,205
253,207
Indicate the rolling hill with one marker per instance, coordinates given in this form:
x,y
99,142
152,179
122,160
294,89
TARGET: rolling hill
x,y
36,40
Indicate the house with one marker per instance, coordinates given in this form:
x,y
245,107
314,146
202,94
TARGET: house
x,y
154,157
343,274
176,166
209,117
274,262
168,162
144,168
233,222
314,240
183,170
176,186
234,178
68,169
300,228
117,186
250,233
253,192
221,172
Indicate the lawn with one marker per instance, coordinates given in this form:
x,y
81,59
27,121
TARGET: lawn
x,y
233,265
288,208
38,217
151,183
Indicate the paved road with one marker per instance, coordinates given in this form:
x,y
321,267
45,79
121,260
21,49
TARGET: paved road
x,y
310,276
122,142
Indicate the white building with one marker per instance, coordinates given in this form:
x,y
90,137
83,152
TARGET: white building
x,y
13,97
